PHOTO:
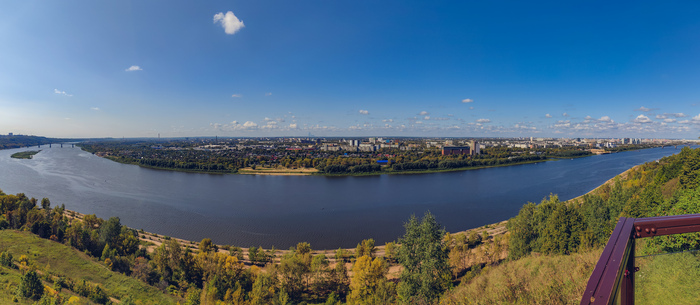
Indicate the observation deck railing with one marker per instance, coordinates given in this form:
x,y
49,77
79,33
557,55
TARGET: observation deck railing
x,y
612,281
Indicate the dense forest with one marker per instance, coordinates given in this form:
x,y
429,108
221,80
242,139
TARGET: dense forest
x,y
431,266
665,187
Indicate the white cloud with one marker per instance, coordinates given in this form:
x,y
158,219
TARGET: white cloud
x,y
471,108
564,114
427,118
229,22
364,111
234,125
56,91
661,116
236,95
547,115
522,126
642,119
268,93
605,118
669,120
388,120
483,121
468,100
95,108
645,109
249,124
133,68
678,115
293,126
423,113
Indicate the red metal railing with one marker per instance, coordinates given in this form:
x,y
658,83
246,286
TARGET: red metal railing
x,y
613,277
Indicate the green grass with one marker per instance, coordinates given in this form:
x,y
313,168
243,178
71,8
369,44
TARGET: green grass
x,y
546,279
25,154
664,279
63,260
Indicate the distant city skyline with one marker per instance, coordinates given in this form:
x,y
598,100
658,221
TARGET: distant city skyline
x,y
361,68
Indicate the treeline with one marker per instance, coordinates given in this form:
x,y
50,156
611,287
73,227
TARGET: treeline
x,y
452,164
19,141
193,166
425,164
666,187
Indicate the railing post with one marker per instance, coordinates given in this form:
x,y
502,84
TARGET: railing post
x,y
627,293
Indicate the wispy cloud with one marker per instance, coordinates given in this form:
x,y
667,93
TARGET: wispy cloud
x,y
268,94
423,113
235,125
564,114
644,109
467,100
133,68
56,91
364,111
95,108
483,121
236,95
229,22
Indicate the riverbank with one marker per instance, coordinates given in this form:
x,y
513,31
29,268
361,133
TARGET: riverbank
x,y
278,171
307,171
431,171
315,172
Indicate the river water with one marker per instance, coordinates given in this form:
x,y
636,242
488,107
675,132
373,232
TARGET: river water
x,y
328,212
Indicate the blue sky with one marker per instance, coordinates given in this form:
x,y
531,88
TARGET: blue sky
x,y
350,68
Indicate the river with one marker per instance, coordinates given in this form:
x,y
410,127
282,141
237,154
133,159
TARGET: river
x,y
328,212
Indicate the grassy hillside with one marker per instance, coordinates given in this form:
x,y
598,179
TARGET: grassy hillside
x,y
56,259
542,279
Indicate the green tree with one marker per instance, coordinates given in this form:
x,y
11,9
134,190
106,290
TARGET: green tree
x,y
366,247
263,290
426,273
30,286
206,245
253,254
522,232
690,172
109,232
45,203
303,248
562,230
293,269
6,259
